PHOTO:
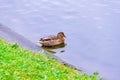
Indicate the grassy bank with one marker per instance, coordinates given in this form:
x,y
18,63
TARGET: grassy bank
x,y
21,64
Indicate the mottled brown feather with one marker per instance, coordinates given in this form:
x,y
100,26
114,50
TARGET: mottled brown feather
x,y
52,40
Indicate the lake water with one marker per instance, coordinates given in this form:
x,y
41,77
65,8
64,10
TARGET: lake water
x,y
92,29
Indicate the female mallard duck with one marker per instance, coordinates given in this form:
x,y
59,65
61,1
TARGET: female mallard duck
x,y
53,40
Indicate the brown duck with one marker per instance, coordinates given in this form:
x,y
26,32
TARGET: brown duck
x,y
53,40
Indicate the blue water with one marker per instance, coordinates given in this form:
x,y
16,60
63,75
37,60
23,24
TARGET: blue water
x,y
91,26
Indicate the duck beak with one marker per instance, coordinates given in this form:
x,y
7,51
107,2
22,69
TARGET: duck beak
x,y
64,36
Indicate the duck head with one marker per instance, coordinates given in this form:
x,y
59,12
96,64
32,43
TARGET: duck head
x,y
61,35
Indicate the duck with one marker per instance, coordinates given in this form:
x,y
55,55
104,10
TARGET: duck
x,y
53,40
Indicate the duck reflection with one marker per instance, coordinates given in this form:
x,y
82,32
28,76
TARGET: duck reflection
x,y
52,49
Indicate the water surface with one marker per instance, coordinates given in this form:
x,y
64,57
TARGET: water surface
x,y
91,26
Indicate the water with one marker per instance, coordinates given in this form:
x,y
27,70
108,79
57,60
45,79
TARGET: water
x,y
91,26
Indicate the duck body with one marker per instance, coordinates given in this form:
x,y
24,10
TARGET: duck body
x,y
53,40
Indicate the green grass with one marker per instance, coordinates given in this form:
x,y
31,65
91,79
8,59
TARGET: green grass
x,y
21,64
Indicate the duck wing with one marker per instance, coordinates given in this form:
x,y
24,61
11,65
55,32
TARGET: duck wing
x,y
48,38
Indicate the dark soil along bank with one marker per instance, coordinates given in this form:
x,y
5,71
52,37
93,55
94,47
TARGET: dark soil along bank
x,y
11,36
